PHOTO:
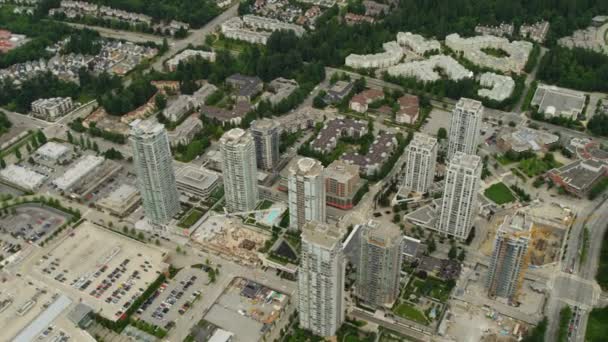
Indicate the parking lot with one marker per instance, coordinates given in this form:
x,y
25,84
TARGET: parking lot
x,y
31,223
175,297
247,309
108,271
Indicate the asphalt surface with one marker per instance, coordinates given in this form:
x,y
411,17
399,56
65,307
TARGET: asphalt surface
x,y
578,288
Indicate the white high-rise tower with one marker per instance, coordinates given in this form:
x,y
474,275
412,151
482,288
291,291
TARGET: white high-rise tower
x,y
154,168
459,204
420,163
239,170
306,193
464,127
321,279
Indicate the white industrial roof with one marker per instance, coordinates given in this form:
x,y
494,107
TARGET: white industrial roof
x,y
52,150
85,165
22,177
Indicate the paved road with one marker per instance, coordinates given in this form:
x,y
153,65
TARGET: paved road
x,y
196,37
402,329
579,288
135,37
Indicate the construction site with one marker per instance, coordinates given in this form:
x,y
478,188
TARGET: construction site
x,y
546,237
227,236
465,322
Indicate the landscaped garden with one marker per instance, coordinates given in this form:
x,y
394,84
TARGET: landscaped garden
x,y
533,166
408,311
191,218
499,193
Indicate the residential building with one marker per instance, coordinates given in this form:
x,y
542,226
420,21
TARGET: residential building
x,y
239,170
421,154
392,54
321,302
154,168
465,125
185,132
306,187
379,152
427,70
188,55
510,257
342,182
338,91
472,48
359,103
459,203
496,87
417,43
179,107
333,130
503,29
379,269
409,109
265,134
51,109
375,9
247,87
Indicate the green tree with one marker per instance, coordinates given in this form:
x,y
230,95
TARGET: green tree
x,y
41,138
2,163
453,252
160,101
18,153
442,133
461,255
70,137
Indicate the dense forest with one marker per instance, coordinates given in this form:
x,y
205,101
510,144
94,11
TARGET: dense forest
x,y
195,12
5,123
598,125
40,86
43,33
575,68
121,100
86,42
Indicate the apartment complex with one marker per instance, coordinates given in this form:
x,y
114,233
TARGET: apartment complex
x,y
306,193
459,203
379,264
420,166
266,138
51,109
239,170
464,127
321,303
342,182
510,257
154,169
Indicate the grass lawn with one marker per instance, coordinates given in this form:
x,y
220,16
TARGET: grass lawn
x,y
191,218
265,204
499,193
503,160
533,166
597,328
407,311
